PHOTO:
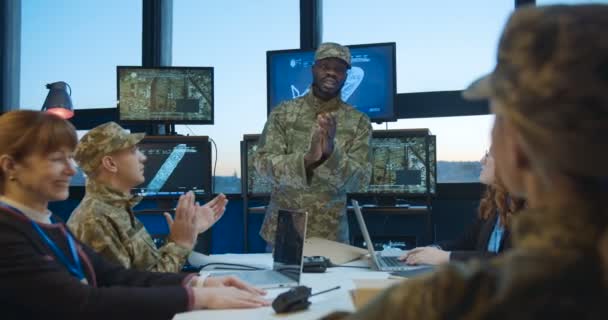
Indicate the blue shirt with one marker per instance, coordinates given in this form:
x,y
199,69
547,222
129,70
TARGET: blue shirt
x,y
496,237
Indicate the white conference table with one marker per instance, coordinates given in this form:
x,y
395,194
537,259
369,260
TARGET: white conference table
x,y
321,305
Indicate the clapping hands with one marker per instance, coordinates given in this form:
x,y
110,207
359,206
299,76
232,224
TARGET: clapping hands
x,y
192,218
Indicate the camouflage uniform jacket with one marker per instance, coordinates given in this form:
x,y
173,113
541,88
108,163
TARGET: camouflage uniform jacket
x,y
104,220
558,269
280,159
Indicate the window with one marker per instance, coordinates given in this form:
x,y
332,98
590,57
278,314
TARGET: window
x,y
441,45
461,142
233,37
81,43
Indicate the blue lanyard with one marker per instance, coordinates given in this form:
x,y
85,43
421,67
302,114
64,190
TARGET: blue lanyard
x,y
496,237
75,268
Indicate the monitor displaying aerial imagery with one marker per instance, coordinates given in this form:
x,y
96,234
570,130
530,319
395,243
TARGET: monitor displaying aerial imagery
x,y
165,94
399,164
402,160
253,183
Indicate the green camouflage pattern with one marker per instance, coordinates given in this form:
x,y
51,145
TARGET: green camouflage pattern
x,y
101,141
104,221
333,50
280,159
553,270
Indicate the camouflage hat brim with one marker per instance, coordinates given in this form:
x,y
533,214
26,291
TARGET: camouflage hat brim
x,y
134,138
480,89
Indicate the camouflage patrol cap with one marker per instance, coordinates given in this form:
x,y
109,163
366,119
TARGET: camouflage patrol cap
x,y
333,50
101,141
543,48
550,81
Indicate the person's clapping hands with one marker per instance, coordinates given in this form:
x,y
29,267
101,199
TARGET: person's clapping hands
x,y
210,213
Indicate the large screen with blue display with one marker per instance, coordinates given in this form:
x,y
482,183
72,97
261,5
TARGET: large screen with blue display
x,y
370,84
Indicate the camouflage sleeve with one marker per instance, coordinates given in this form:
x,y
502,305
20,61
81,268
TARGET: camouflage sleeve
x,y
172,258
453,292
101,236
272,160
138,253
348,170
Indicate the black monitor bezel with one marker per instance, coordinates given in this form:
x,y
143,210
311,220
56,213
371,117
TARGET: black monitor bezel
x,y
392,133
203,141
210,69
393,45
404,133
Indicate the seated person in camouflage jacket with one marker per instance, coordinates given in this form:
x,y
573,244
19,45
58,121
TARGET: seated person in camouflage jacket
x,y
104,220
549,91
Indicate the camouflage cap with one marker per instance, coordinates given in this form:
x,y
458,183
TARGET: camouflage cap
x,y
333,50
100,141
542,46
550,82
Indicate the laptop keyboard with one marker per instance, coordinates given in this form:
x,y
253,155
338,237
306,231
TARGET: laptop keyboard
x,y
390,261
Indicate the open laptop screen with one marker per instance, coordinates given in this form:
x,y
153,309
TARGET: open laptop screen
x,y
364,232
289,243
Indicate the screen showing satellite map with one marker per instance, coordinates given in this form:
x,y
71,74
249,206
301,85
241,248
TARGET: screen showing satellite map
x,y
398,163
256,184
175,165
165,94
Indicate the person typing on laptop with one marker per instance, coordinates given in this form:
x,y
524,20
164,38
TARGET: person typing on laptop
x,y
488,236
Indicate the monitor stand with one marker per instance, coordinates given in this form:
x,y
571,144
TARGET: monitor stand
x,y
167,129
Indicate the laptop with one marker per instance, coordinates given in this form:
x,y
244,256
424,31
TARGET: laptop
x,y
287,255
380,262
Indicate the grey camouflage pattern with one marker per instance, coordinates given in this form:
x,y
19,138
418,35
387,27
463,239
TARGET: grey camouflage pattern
x,y
280,160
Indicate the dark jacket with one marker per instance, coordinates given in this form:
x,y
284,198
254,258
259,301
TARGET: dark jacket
x,y
557,269
35,285
473,243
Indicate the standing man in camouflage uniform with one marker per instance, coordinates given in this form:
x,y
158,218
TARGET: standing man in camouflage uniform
x,y
104,220
315,150
549,91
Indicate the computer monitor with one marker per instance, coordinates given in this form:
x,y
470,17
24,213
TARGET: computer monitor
x,y
370,85
175,165
401,161
172,95
253,184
